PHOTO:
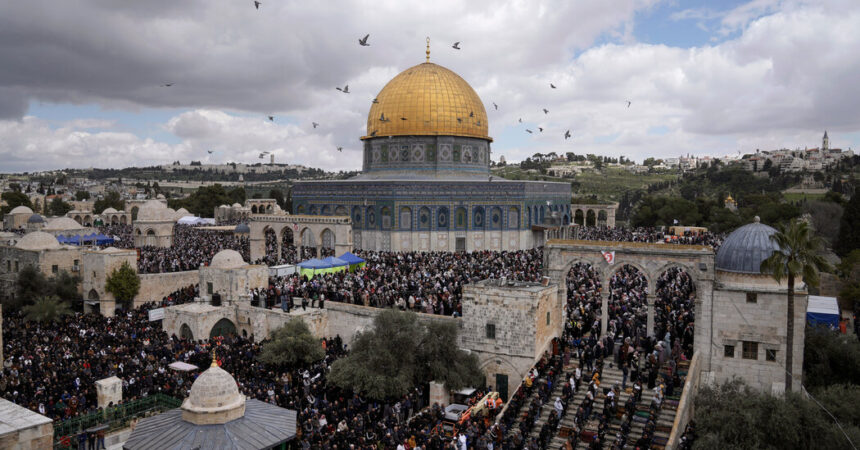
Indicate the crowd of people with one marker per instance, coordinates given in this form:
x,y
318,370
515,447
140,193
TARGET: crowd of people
x,y
192,247
650,235
416,281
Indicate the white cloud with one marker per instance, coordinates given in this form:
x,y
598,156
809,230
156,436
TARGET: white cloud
x,y
786,74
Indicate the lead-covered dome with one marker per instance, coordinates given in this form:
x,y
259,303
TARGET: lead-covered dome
x,y
38,240
35,218
427,100
214,399
227,259
745,248
21,210
242,228
62,224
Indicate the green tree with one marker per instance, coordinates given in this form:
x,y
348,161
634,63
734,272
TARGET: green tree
x,y
46,309
30,285
110,200
443,361
292,344
849,232
124,283
830,358
798,256
387,361
14,200
65,286
58,207
82,195
732,415
278,196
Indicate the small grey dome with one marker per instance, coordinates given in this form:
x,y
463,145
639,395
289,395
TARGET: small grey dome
x,y
745,248
35,218
242,228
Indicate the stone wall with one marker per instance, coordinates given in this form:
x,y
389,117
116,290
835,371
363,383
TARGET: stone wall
x,y
155,286
49,262
736,320
347,320
686,406
97,266
22,429
232,283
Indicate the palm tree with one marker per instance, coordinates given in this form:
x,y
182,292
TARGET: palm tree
x,y
798,256
47,309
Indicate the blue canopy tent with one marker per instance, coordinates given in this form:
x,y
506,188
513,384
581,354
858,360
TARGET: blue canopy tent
x,y
354,261
335,262
312,266
101,239
823,311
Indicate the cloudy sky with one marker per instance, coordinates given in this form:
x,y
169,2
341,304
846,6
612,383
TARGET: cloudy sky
x,y
81,81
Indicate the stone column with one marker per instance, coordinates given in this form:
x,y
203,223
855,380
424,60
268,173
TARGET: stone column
x,y
109,390
649,330
604,313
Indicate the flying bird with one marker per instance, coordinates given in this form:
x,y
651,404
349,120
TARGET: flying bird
x,y
529,131
375,101
363,41
471,114
209,151
373,133
628,103
340,149
495,106
521,120
403,118
545,111
344,89
552,85
567,134
540,129
167,85
257,4
459,120
271,118
315,124
456,45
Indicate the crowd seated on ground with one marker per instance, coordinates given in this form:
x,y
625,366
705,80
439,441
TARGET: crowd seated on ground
x,y
422,282
650,235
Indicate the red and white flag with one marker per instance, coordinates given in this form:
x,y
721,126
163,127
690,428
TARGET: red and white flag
x,y
295,226
609,257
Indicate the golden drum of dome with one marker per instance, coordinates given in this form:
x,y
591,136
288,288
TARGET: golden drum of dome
x,y
427,100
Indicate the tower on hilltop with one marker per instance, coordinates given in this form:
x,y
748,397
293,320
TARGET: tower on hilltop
x,y
825,142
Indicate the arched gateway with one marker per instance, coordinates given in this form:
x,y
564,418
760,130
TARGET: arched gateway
x,y
650,260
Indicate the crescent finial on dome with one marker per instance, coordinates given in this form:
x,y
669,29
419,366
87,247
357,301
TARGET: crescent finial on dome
x,y
428,48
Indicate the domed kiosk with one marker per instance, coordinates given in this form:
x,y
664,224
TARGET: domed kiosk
x,y
17,217
216,416
426,183
749,314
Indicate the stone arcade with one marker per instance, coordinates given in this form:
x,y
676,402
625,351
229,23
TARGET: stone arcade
x,y
740,326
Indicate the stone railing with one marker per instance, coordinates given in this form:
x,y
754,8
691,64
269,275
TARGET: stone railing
x,y
685,406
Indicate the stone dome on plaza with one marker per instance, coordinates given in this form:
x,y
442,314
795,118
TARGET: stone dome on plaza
x,y
21,210
154,210
62,224
745,248
214,398
38,240
433,100
227,259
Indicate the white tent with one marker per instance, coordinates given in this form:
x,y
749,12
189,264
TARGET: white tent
x,y
822,311
182,366
194,220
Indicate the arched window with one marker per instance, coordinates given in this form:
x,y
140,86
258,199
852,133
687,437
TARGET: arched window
x,y
460,218
442,218
478,219
405,218
385,217
513,217
424,218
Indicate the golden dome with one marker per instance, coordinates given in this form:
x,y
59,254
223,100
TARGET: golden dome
x,y
427,100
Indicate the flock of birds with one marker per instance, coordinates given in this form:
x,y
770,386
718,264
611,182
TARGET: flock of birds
x,y
345,89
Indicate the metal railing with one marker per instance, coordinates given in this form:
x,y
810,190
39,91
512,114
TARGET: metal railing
x,y
114,418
